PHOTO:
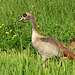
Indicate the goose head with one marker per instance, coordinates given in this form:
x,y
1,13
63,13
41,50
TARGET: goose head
x,y
26,16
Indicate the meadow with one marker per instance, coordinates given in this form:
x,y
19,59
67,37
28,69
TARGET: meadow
x,y
54,18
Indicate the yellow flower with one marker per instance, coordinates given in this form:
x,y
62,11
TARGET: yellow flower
x,y
11,13
14,36
38,26
10,30
0,26
56,24
6,32
1,7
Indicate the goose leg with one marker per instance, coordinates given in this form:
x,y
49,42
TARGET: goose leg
x,y
45,60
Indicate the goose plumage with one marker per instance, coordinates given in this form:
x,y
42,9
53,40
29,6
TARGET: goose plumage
x,y
46,46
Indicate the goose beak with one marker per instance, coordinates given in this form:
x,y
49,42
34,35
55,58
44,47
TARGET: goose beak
x,y
21,19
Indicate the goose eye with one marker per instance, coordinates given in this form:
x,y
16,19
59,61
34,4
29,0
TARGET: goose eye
x,y
24,15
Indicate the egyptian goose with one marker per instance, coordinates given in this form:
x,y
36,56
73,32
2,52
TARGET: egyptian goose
x,y
46,46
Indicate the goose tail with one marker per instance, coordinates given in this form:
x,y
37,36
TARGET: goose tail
x,y
69,53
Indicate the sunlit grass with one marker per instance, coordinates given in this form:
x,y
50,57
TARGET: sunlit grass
x,y
26,63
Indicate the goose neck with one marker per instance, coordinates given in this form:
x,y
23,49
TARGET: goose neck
x,y
33,22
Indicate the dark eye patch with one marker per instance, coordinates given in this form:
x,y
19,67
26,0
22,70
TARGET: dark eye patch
x,y
24,15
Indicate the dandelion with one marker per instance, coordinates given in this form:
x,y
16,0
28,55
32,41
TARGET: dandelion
x,y
10,30
6,32
0,26
56,24
14,36
38,26
1,7
11,13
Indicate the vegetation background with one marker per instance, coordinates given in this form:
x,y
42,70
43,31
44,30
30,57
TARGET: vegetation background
x,y
54,18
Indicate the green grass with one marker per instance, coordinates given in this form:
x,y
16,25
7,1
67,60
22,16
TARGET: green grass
x,y
55,19
27,63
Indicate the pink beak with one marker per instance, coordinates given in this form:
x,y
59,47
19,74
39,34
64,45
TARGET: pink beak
x,y
21,19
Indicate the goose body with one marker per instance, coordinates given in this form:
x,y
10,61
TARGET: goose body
x,y
46,46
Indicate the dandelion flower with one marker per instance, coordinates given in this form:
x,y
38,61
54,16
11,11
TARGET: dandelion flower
x,y
15,35
1,7
0,26
10,30
56,24
11,13
6,32
38,26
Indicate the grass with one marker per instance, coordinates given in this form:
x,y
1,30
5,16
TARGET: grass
x,y
27,63
54,18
